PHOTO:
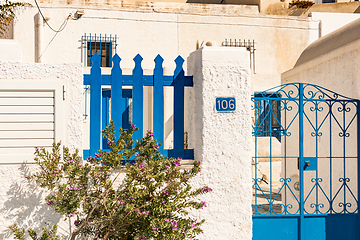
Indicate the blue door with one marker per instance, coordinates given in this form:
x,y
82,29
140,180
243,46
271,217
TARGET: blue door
x,y
305,164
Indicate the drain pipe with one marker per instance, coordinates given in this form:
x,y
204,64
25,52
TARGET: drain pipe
x,y
38,37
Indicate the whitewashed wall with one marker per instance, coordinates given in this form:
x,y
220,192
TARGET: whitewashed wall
x,y
169,29
20,202
222,141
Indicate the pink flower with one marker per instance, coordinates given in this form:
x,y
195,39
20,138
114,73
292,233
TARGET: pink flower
x,y
153,227
110,142
207,189
142,166
121,201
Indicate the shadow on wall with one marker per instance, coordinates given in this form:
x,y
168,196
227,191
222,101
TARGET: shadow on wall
x,y
25,205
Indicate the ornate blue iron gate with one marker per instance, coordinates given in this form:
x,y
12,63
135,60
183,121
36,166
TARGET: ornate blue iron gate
x,y
305,164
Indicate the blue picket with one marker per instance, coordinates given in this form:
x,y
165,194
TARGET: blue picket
x,y
138,97
95,106
117,102
159,101
179,108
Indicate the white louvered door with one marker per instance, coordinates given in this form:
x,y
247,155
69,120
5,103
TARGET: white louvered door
x,y
31,115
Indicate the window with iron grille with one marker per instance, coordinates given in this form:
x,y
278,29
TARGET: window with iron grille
x,y
104,45
268,116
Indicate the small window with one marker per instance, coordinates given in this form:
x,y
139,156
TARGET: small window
x,y
268,116
104,45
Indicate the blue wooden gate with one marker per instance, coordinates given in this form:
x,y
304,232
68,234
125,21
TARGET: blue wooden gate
x,y
305,164
99,102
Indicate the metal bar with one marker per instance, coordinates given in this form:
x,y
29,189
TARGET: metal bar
x,y
330,161
256,157
344,154
358,166
285,159
271,110
301,163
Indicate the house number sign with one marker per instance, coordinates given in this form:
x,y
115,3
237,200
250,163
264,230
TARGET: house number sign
x,y
225,104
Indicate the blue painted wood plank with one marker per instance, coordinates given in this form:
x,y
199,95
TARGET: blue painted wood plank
x,y
95,105
159,101
138,97
117,106
188,153
126,95
148,80
105,114
179,108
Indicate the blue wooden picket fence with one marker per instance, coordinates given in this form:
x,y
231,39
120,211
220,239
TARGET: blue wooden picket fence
x,y
119,102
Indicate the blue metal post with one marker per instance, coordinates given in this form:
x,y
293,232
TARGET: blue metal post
x,y
301,162
159,101
95,105
358,165
179,108
138,97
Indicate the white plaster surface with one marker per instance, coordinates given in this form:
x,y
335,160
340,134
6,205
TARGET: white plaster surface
x,y
333,21
222,141
10,50
169,29
19,201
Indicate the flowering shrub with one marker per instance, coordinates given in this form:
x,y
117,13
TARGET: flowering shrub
x,y
152,202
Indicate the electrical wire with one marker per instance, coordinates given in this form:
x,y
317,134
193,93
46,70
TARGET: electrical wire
x,y
61,28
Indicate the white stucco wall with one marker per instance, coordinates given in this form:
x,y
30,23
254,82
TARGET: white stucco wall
x,y
336,70
10,50
20,202
331,21
222,141
169,29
